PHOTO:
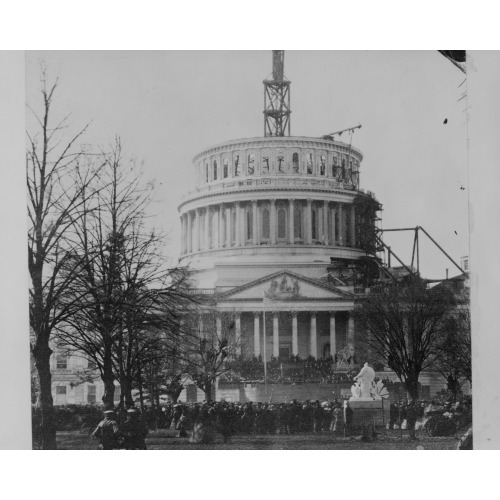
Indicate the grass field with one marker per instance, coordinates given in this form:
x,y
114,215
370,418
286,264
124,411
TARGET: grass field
x,y
168,440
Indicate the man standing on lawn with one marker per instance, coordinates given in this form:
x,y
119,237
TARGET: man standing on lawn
x,y
107,432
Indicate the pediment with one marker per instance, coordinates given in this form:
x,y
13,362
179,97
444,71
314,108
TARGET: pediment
x,y
285,286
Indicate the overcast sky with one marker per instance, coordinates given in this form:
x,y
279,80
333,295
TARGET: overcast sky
x,y
168,106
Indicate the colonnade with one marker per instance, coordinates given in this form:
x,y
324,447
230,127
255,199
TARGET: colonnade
x,y
258,318
272,221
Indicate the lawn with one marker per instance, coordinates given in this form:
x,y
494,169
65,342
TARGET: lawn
x,y
168,440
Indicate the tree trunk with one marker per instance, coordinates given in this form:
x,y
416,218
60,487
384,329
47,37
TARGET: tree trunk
x,y
129,400
139,383
108,380
411,385
207,388
42,353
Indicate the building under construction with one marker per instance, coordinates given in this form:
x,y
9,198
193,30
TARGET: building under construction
x,y
280,236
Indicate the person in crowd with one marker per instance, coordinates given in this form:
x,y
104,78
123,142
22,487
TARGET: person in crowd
x,y
134,431
107,432
349,414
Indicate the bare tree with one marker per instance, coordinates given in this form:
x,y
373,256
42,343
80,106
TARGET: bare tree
x,y
54,202
454,360
402,324
127,292
207,345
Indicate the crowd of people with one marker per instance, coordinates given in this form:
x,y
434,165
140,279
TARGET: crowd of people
x,y
291,370
202,421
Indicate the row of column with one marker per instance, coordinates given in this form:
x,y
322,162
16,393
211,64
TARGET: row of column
x,y
313,337
221,235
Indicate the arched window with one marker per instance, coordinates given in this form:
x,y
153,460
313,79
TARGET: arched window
x,y
309,163
322,167
295,163
297,222
206,172
335,167
251,164
281,163
343,170
225,168
249,224
265,164
237,166
265,224
215,170
281,224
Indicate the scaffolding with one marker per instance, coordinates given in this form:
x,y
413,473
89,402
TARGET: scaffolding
x,y
277,99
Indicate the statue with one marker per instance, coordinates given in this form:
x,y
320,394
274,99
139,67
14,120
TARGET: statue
x,y
356,390
365,379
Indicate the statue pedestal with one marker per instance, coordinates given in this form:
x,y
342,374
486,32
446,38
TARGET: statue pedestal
x,y
367,412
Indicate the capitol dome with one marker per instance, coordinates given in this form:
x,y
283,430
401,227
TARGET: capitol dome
x,y
274,217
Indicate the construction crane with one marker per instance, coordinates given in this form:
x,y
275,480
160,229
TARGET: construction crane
x,y
340,132
277,99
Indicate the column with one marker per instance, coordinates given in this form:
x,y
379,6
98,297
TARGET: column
x,y
189,233
291,222
334,239
333,340
228,226
242,222
314,339
325,223
238,334
237,236
207,228
219,325
353,226
341,225
221,226
350,330
256,334
273,222
295,336
276,336
215,228
254,221
197,230
183,234
309,222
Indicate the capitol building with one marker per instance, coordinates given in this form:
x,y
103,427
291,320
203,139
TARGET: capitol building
x,y
260,231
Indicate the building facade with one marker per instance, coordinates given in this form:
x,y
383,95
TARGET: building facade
x,y
260,231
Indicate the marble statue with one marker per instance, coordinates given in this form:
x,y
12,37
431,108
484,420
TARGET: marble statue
x,y
365,379
356,390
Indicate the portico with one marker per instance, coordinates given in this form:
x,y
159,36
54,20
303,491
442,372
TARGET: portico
x,y
287,314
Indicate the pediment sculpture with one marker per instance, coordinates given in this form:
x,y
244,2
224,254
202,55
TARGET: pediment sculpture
x,y
281,289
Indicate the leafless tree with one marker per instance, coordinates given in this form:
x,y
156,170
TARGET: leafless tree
x,y
454,360
402,324
127,291
207,345
54,203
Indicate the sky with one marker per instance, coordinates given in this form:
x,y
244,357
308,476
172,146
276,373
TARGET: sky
x,y
167,106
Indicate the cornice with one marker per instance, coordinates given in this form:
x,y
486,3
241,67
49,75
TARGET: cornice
x,y
307,190
267,142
